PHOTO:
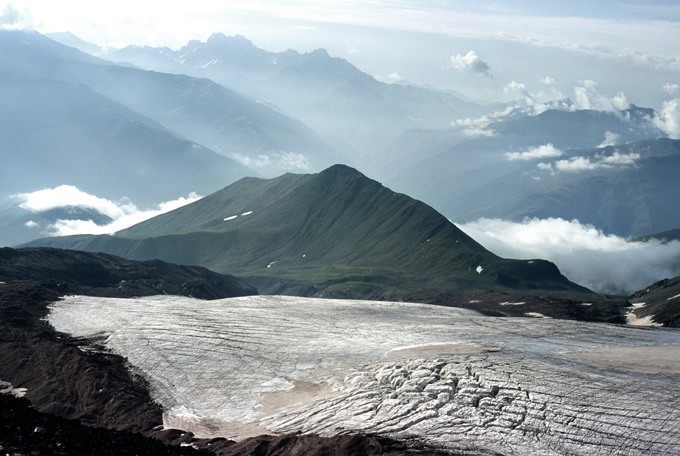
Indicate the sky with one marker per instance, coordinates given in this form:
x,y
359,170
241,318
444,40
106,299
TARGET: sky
x,y
486,50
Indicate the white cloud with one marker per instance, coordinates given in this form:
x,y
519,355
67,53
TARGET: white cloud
x,y
546,167
619,159
478,133
575,164
11,18
588,96
548,80
668,119
285,161
67,195
475,127
123,214
610,139
394,77
482,122
514,86
470,62
587,256
479,122
544,151
671,89
580,163
620,102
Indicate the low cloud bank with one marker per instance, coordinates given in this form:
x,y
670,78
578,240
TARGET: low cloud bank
x,y
124,214
668,119
70,196
604,263
544,151
580,163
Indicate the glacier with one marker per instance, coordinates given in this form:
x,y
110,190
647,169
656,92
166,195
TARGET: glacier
x,y
240,367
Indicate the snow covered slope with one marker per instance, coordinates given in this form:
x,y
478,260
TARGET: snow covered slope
x,y
245,366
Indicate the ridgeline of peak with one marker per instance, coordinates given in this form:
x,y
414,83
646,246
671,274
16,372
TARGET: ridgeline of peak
x,y
233,43
221,38
335,233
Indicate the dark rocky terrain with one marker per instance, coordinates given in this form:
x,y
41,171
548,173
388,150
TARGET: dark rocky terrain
x,y
562,305
660,302
24,430
82,402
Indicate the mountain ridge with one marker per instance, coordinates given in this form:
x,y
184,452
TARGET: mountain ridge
x,y
571,165
348,108
334,233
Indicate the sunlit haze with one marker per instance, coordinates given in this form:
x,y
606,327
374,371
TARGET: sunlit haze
x,y
486,50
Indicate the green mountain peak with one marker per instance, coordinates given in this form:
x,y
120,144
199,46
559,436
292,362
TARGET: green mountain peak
x,y
335,233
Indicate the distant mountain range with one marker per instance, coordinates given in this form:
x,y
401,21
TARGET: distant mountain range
x,y
347,107
597,167
197,109
119,132
445,150
65,133
334,234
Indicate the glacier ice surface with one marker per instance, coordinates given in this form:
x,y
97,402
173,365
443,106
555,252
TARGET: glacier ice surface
x,y
244,366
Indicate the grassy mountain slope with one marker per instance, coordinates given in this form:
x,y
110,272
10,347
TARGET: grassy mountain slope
x,y
336,233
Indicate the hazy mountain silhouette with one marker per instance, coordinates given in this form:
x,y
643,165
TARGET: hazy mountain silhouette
x,y
349,108
198,109
62,133
622,188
